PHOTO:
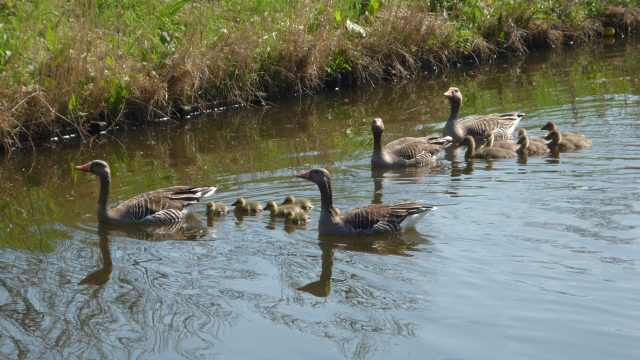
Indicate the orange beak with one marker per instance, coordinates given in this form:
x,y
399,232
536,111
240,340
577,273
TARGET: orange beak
x,y
86,167
304,175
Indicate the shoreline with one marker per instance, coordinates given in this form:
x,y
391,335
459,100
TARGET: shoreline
x,y
381,45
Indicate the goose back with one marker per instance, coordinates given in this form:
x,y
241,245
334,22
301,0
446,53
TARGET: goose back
x,y
244,206
551,126
404,152
557,143
485,152
304,204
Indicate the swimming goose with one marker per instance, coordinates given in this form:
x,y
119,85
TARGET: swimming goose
x,y
365,220
154,207
502,125
550,126
485,152
530,148
296,216
216,209
304,204
490,142
532,139
404,152
242,206
557,142
279,210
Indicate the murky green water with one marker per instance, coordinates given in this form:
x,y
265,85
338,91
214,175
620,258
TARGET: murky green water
x,y
537,260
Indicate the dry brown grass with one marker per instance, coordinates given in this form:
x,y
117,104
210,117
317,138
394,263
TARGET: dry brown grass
x,y
72,80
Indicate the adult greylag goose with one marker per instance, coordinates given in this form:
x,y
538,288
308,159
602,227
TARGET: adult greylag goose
x,y
550,126
304,204
296,216
244,206
404,152
490,142
528,147
502,125
365,220
154,207
216,209
279,210
485,152
557,143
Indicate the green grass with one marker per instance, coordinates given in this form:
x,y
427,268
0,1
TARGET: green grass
x,y
65,64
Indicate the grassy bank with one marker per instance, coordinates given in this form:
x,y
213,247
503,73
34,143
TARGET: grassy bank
x,y
64,65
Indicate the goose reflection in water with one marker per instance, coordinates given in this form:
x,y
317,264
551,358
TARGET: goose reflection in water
x,y
413,175
185,231
400,244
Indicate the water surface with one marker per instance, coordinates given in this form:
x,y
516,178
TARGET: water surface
x,y
536,259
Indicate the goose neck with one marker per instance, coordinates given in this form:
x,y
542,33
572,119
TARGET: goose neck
x,y
105,185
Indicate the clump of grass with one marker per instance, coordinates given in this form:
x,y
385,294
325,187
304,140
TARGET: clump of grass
x,y
137,61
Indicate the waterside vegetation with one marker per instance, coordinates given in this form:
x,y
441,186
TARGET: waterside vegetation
x,y
66,66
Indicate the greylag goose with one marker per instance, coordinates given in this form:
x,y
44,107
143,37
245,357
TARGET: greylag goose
x,y
404,152
485,152
528,147
242,206
365,220
490,142
557,143
550,126
304,204
154,207
216,209
296,216
279,210
502,125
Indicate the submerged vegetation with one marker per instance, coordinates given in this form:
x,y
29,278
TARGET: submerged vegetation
x,y
64,65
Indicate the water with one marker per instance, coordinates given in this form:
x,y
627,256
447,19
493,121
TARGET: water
x,y
521,260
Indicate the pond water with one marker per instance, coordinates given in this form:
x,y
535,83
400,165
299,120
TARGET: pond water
x,y
536,259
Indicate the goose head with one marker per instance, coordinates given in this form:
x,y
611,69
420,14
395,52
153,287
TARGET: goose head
x,y
289,200
550,126
318,176
523,139
453,94
271,206
210,206
377,126
240,202
96,167
522,131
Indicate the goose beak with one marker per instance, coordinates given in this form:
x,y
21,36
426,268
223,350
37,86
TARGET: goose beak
x,y
448,94
304,175
86,167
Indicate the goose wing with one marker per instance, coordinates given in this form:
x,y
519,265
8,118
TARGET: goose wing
x,y
413,150
382,218
163,203
502,125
